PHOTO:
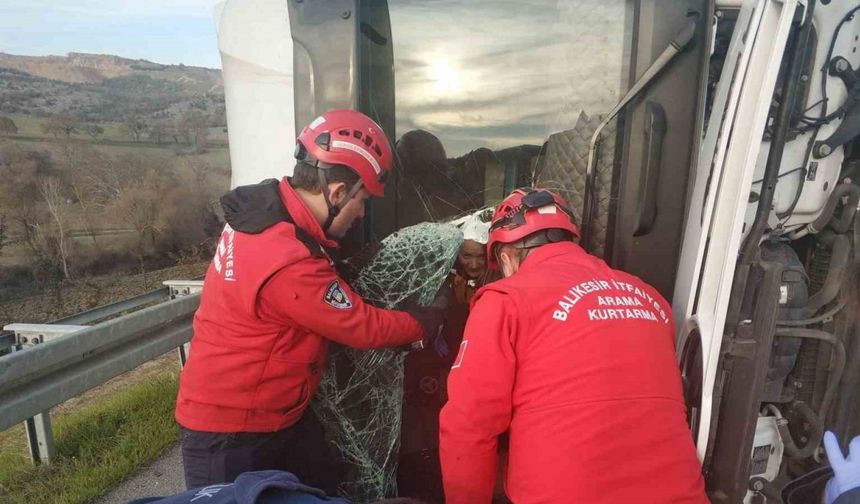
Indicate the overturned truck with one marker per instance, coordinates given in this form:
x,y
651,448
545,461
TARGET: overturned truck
x,y
706,147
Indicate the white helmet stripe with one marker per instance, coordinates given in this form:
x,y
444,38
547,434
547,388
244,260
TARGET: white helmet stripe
x,y
355,148
319,120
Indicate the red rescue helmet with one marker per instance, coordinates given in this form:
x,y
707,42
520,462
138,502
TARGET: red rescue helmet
x,y
527,211
348,138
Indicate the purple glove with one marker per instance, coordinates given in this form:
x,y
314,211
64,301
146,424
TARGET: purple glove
x,y
846,470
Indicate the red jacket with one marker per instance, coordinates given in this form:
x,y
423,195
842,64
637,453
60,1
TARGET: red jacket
x,y
577,362
271,302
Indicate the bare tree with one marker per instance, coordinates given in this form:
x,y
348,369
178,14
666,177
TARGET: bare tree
x,y
194,127
107,177
61,125
201,139
58,208
134,127
173,132
19,193
94,131
141,206
85,170
7,126
158,131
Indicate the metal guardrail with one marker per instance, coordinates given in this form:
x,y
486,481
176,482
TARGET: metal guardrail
x,y
37,378
111,310
7,338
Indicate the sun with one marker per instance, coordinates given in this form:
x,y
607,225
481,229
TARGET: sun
x,y
445,77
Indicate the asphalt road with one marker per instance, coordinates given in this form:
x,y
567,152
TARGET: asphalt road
x,y
162,477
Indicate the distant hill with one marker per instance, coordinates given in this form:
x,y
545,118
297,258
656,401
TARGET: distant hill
x,y
102,87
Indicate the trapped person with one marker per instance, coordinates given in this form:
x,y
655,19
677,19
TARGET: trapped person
x,y
469,274
576,361
272,301
426,371
260,487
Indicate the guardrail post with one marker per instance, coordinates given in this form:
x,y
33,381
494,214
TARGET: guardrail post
x,y
40,435
181,288
183,353
35,379
40,438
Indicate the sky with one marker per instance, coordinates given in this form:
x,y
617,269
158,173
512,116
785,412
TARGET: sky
x,y
492,73
163,31
502,73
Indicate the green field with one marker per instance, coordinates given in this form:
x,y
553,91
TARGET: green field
x,y
30,128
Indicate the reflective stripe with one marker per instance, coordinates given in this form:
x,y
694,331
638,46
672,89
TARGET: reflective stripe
x,y
319,120
355,148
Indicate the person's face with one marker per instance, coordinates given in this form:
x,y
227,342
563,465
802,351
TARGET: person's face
x,y
351,212
472,259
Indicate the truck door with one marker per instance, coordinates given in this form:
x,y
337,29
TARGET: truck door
x,y
642,221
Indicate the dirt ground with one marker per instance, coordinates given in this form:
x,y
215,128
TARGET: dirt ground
x,y
84,294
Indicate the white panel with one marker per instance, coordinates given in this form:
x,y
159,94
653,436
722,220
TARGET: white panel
x,y
257,64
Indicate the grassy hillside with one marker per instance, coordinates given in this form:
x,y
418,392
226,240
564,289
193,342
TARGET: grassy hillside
x,y
109,164
104,88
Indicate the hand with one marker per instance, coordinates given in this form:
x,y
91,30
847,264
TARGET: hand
x,y
431,319
440,346
846,470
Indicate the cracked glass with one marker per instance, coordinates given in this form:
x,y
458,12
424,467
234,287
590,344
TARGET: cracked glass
x,y
360,396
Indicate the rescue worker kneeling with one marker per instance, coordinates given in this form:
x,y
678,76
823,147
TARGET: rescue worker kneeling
x,y
576,361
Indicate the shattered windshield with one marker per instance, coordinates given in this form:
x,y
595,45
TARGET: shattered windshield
x,y
360,396
490,95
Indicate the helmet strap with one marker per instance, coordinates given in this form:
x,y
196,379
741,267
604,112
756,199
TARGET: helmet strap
x,y
533,241
543,237
334,210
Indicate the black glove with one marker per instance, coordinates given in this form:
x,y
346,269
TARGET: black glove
x,y
432,318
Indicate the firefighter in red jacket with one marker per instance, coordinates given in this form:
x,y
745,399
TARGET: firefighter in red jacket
x,y
272,301
576,361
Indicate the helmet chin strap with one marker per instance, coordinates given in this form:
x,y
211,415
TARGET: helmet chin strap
x,y
334,210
